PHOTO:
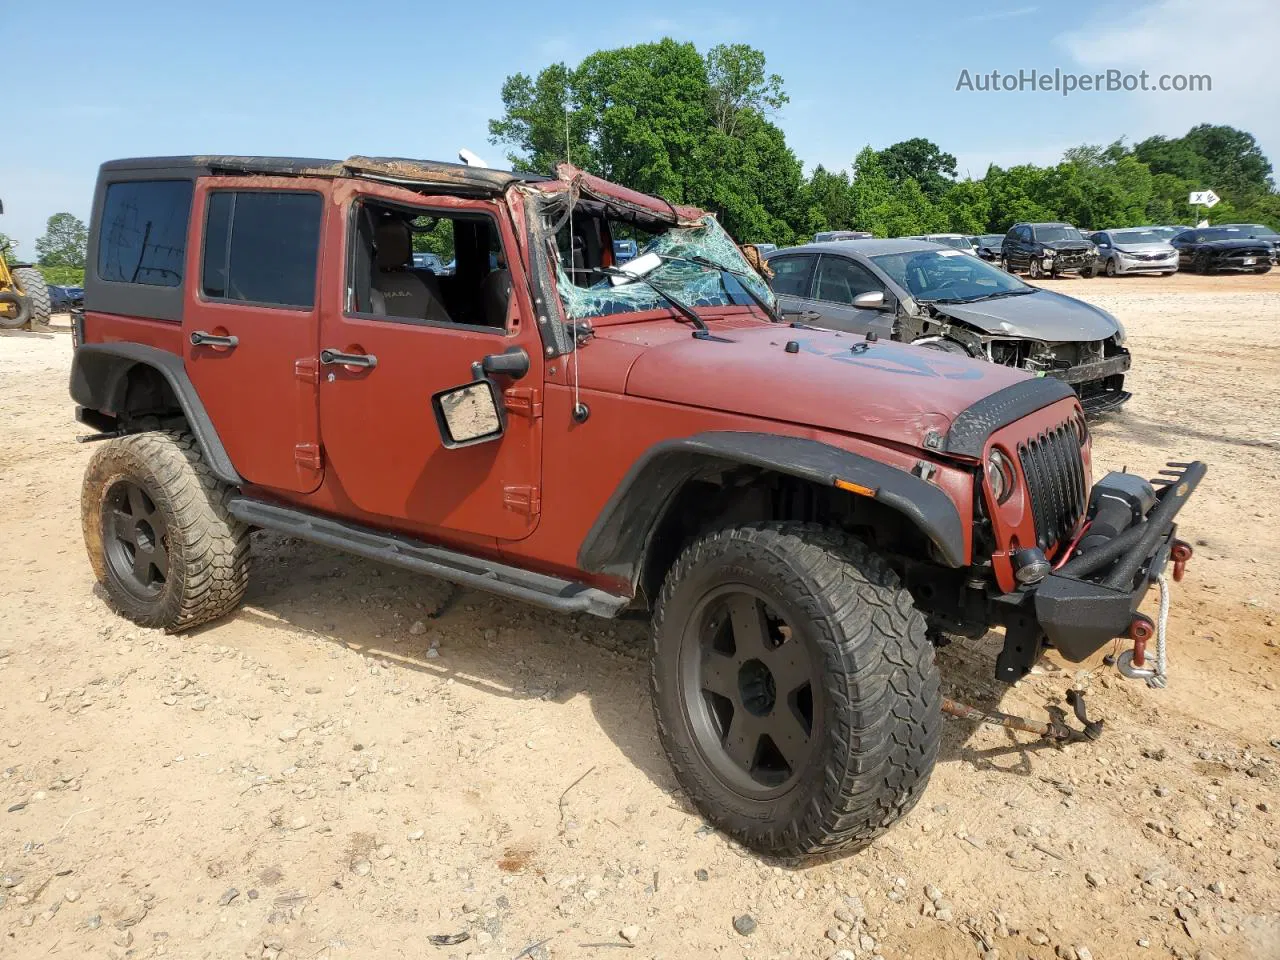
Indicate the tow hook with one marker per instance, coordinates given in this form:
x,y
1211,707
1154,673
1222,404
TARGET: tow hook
x,y
1180,554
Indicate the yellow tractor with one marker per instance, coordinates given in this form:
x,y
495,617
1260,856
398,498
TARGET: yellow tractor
x,y
24,296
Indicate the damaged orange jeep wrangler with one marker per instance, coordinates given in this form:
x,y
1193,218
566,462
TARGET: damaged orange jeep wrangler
x,y
803,513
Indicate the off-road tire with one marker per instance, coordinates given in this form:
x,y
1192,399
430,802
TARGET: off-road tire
x,y
32,283
879,698
208,549
21,313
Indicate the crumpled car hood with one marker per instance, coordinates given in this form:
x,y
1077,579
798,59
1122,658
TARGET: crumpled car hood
x,y
1043,315
889,391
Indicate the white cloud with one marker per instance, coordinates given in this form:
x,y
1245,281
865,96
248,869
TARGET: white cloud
x,y
1234,41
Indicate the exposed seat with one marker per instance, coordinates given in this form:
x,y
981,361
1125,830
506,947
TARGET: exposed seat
x,y
398,290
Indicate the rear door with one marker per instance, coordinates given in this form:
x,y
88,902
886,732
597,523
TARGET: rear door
x,y
381,439
251,322
837,282
792,278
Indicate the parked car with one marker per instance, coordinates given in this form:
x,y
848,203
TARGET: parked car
x,y
1133,250
1258,231
64,299
764,249
1216,249
988,246
957,241
826,236
1046,249
428,261
624,251
791,512
1166,231
923,293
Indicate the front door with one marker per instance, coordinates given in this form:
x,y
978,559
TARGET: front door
x,y
251,320
838,281
409,333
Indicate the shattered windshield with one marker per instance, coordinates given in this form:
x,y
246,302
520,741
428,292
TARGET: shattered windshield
x,y
689,283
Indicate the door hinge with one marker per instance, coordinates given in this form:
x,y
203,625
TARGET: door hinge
x,y
523,499
523,402
308,455
307,370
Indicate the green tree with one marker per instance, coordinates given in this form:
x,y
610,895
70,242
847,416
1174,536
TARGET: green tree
x,y
737,83
1211,156
920,160
9,248
966,207
661,118
64,242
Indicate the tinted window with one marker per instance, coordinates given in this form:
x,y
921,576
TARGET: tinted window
x,y
143,233
261,247
840,280
791,275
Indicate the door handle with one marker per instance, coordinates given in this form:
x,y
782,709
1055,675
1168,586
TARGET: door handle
x,y
201,339
330,357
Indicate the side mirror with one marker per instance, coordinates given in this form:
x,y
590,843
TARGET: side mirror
x,y
871,300
469,414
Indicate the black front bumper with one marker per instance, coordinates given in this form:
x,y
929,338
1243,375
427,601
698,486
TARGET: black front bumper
x,y
1092,598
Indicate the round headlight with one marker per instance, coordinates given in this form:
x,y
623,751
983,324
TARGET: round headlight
x,y
1000,476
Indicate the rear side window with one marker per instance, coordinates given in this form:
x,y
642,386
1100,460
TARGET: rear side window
x,y
143,237
791,275
261,247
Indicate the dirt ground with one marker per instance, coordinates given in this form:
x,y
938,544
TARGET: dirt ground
x,y
335,772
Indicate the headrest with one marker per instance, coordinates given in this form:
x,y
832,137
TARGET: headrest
x,y
394,243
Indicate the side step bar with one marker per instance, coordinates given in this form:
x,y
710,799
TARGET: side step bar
x,y
564,596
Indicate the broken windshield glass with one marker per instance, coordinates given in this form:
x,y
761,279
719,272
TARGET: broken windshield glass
x,y
689,283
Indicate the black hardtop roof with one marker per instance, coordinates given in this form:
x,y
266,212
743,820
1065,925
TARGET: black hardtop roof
x,y
454,176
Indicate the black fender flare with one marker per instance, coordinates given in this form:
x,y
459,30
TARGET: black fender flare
x,y
618,541
100,376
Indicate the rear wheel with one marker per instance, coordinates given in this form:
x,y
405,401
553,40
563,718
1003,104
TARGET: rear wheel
x,y
31,283
159,536
795,690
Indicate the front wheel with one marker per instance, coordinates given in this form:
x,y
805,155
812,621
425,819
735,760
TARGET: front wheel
x,y
1201,263
1111,268
795,691
1034,271
159,535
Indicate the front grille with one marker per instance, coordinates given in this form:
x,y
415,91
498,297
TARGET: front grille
x,y
1054,470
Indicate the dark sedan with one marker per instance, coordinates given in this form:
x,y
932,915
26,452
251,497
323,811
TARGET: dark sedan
x,y
65,299
1216,249
938,297
988,246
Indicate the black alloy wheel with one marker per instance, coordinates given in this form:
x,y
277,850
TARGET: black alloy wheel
x,y
135,538
748,683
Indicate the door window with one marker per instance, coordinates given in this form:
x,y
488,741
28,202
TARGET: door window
x,y
840,280
791,275
413,265
261,247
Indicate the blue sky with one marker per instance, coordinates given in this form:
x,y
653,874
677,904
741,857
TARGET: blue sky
x,y
89,81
